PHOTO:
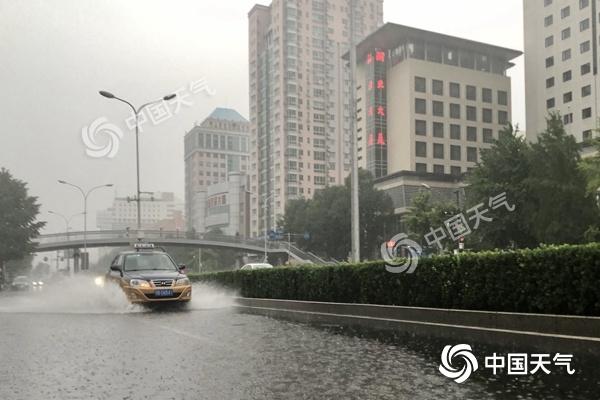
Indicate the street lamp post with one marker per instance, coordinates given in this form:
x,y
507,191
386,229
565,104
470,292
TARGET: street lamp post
x,y
85,197
265,200
136,112
67,228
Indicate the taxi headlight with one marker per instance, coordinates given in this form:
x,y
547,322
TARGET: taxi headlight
x,y
182,282
139,283
99,281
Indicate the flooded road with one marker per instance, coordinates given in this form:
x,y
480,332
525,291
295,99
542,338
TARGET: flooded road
x,y
51,348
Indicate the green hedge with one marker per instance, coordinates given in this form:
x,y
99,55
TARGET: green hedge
x,y
555,280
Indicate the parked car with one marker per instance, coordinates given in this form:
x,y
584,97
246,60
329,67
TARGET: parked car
x,y
21,283
255,266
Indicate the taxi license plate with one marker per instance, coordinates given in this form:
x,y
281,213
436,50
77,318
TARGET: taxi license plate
x,y
163,293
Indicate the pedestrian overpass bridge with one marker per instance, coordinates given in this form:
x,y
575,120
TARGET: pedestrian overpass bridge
x,y
91,239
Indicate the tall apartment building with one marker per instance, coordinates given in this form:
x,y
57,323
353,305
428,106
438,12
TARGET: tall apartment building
x,y
213,150
561,65
427,103
299,98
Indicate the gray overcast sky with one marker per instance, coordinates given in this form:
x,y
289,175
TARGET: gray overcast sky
x,y
56,54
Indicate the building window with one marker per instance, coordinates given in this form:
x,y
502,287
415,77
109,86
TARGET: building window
x,y
456,171
421,149
455,132
438,150
586,113
502,117
565,12
488,136
420,84
586,69
454,90
584,47
471,93
437,87
566,55
438,169
486,95
565,33
438,108
438,130
421,168
568,97
455,153
549,41
567,76
584,25
549,20
583,4
421,127
471,133
549,82
547,3
455,111
550,103
472,154
568,119
420,106
486,115
586,91
549,62
587,135
502,97
471,113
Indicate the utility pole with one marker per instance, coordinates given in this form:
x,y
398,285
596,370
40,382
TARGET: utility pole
x,y
354,204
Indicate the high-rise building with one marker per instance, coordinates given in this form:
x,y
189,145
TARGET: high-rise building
x,y
427,103
299,98
561,65
161,210
213,150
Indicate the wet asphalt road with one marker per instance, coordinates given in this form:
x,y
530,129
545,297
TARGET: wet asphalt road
x,y
51,348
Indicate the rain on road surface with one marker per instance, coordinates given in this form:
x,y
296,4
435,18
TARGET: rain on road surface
x,y
76,341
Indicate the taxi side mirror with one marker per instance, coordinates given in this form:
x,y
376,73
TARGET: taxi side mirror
x,y
182,267
117,269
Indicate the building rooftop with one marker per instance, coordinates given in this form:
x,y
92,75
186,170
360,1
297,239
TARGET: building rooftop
x,y
390,35
227,114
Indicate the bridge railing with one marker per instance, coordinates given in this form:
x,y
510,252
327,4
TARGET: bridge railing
x,y
148,236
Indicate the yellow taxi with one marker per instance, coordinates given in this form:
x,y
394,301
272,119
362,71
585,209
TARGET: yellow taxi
x,y
149,275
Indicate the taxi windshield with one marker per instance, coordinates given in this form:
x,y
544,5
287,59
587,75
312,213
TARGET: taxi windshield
x,y
149,262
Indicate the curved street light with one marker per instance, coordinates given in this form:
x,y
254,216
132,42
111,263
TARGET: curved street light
x,y
85,197
136,112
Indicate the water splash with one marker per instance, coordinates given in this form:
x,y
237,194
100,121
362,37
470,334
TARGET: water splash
x,y
73,295
207,297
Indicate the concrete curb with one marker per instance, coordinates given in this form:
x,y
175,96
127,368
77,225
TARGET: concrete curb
x,y
548,333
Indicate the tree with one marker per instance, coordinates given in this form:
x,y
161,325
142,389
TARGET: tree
x,y
426,215
18,213
544,182
564,209
326,217
505,167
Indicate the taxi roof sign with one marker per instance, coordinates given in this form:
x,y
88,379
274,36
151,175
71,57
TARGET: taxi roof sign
x,y
143,246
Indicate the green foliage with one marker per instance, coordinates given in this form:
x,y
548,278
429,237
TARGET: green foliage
x,y
545,183
326,217
18,213
554,279
425,215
